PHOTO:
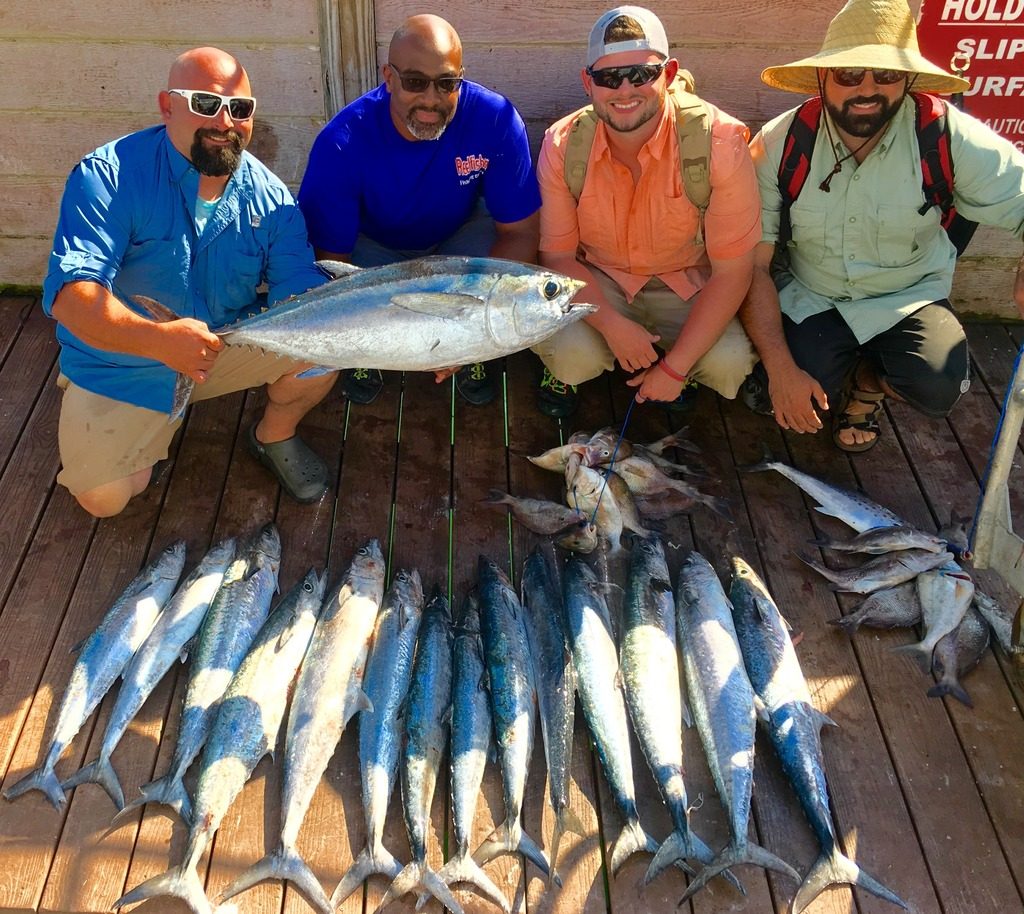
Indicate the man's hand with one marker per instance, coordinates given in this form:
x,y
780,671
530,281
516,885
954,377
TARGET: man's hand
x,y
1018,287
655,384
189,347
794,394
631,343
443,374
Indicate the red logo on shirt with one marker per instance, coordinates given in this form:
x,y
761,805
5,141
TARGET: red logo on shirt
x,y
470,164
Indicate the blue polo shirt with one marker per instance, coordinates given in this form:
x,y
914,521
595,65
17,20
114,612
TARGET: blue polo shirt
x,y
364,177
127,222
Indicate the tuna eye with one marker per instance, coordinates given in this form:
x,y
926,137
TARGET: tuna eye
x,y
307,587
551,289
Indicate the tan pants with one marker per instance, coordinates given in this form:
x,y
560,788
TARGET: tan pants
x,y
579,353
102,440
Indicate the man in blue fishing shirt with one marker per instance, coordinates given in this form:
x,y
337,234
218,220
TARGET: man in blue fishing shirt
x,y
182,214
426,163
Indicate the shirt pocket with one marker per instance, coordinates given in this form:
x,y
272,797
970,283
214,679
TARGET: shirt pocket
x,y
902,232
808,228
235,287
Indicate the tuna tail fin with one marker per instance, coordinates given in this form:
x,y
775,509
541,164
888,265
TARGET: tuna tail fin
x,y
919,652
179,882
565,820
631,839
462,868
98,772
509,838
183,385
950,687
283,863
836,870
732,856
370,861
417,875
168,790
43,778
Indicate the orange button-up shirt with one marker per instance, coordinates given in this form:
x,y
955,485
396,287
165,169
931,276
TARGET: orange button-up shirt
x,y
635,231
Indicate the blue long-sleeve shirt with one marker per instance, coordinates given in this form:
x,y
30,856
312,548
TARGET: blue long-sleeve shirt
x,y
127,222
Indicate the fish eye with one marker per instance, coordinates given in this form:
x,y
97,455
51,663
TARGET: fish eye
x,y
552,289
307,587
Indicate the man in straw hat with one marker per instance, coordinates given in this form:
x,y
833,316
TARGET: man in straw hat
x,y
635,236
858,309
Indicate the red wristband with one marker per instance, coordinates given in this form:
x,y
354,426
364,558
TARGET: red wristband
x,y
671,372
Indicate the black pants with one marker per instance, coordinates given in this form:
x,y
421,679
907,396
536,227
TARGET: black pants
x,y
923,358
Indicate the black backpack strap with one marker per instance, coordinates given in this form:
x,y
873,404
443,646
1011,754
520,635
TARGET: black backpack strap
x,y
796,161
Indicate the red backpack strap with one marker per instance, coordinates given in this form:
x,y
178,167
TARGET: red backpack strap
x,y
796,161
936,161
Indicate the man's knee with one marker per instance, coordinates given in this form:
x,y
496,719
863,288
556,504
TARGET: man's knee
x,y
576,354
934,394
111,498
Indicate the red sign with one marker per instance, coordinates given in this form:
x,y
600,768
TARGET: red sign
x,y
984,39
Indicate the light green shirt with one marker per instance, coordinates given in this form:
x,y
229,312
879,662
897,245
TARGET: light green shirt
x,y
863,248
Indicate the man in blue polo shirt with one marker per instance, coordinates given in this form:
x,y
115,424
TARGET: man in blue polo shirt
x,y
182,214
406,169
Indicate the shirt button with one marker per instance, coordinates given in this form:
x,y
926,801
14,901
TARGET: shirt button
x,y
850,257
853,218
856,177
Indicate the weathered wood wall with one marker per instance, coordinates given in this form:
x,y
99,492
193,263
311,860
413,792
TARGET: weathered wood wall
x,y
307,57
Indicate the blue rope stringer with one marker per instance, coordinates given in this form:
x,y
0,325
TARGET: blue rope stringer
x,y
992,448
611,463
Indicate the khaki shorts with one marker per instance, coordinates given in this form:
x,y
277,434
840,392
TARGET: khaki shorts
x,y
579,353
102,440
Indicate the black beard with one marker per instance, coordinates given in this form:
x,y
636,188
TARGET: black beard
x,y
863,125
220,160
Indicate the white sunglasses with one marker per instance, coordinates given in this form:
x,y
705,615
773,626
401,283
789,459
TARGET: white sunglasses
x,y
209,104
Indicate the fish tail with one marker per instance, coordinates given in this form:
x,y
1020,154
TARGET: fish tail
x,y
719,505
183,388
98,772
848,624
283,863
417,875
462,868
919,652
179,883
950,687
168,790
674,849
43,778
495,497
369,862
835,869
823,570
748,853
565,820
509,838
631,840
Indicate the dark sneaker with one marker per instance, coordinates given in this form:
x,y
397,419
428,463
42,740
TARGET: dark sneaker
x,y
687,398
556,398
475,383
361,385
754,392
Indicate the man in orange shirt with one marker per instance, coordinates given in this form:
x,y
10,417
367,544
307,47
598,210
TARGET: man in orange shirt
x,y
635,237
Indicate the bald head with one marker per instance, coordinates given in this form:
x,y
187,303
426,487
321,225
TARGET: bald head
x,y
204,68
426,33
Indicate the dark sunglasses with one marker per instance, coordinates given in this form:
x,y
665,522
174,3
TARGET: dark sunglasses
x,y
854,76
208,104
638,75
417,82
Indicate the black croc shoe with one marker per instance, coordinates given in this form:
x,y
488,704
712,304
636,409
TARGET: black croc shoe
x,y
302,474
556,398
361,385
475,383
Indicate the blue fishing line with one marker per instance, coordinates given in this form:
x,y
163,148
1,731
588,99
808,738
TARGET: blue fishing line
x,y
611,462
992,449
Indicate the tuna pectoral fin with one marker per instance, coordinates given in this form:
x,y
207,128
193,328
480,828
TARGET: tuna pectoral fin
x,y
631,840
283,863
836,870
183,884
44,779
168,790
99,772
732,856
418,876
366,864
461,868
565,820
509,839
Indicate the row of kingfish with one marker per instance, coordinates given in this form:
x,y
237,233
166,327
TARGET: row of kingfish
x,y
914,578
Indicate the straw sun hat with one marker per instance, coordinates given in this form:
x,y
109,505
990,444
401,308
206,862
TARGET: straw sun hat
x,y
876,34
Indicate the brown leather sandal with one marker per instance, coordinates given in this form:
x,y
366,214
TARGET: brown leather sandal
x,y
864,422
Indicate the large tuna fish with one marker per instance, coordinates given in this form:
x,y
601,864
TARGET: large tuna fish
x,y
328,692
513,708
419,315
386,684
245,730
175,628
722,703
471,741
102,657
794,725
234,618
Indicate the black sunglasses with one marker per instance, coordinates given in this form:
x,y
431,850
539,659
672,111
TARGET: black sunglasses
x,y
638,75
854,76
417,82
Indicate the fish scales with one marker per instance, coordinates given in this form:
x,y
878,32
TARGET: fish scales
x,y
328,692
244,730
794,725
959,652
102,657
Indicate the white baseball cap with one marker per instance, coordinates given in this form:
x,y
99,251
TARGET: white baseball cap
x,y
654,38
